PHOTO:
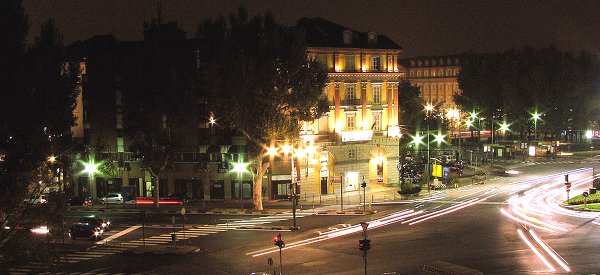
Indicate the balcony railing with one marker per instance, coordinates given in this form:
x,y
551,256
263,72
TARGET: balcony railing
x,y
351,101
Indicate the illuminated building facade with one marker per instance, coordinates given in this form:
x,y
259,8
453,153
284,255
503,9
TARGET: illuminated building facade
x,y
436,76
358,137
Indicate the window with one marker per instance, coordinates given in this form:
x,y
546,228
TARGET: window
x,y
119,121
418,73
120,145
118,98
376,94
376,121
426,73
376,63
441,72
412,74
433,73
350,91
350,122
352,153
350,65
448,72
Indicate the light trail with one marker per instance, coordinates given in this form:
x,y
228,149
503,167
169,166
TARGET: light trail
x,y
550,251
445,211
535,250
376,223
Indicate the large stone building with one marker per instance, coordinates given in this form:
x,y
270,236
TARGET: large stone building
x,y
357,138
436,76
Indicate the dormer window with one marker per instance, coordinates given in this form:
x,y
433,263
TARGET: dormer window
x,y
372,36
376,63
347,35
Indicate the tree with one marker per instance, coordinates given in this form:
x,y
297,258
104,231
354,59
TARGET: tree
x,y
38,91
258,80
160,100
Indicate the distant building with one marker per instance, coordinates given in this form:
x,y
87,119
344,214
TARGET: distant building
x,y
357,138
436,76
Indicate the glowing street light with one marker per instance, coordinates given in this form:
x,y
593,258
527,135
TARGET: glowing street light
x,y
240,167
504,127
535,116
90,168
417,139
439,138
589,134
272,151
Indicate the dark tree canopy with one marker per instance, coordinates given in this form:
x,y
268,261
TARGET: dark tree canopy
x,y
257,80
514,84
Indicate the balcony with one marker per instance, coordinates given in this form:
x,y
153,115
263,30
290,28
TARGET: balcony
x,y
351,102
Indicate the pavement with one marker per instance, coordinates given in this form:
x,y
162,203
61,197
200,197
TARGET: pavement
x,y
330,204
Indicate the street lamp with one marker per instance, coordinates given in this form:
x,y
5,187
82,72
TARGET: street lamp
x,y
454,115
240,167
535,116
428,110
589,134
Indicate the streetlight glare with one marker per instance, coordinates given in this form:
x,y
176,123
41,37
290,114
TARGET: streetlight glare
x,y
504,127
240,167
51,159
428,107
473,115
439,138
417,139
589,134
286,148
90,167
272,151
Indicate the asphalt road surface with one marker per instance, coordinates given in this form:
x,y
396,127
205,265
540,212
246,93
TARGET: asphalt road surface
x,y
509,225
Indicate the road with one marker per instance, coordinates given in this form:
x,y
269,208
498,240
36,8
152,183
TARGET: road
x,y
486,227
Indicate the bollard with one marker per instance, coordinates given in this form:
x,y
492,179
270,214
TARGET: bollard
x,y
320,199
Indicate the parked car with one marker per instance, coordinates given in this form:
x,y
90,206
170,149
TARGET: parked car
x,y
112,198
80,201
179,197
96,221
85,230
36,200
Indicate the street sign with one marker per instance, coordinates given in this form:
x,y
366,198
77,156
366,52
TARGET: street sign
x,y
336,179
586,194
364,227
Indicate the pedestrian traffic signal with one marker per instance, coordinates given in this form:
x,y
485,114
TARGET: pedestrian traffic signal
x,y
364,244
277,241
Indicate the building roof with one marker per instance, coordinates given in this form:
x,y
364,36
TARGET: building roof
x,y
323,33
431,61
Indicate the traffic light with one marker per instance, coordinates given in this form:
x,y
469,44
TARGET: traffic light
x,y
277,241
363,184
364,244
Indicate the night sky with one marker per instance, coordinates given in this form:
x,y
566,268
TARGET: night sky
x,y
421,27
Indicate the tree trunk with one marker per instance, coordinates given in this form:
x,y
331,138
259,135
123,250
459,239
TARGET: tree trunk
x,y
156,186
257,194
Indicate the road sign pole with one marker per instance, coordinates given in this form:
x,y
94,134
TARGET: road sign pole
x,y
342,192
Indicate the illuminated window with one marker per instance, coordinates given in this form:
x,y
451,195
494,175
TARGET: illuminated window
x,y
350,91
120,145
350,122
441,72
376,121
350,65
376,63
448,72
426,73
419,73
376,94
433,73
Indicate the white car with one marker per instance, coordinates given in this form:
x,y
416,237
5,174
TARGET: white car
x,y
112,198
36,200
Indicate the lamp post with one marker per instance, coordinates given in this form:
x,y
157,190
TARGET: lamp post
x,y
535,117
589,134
454,116
240,167
428,109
